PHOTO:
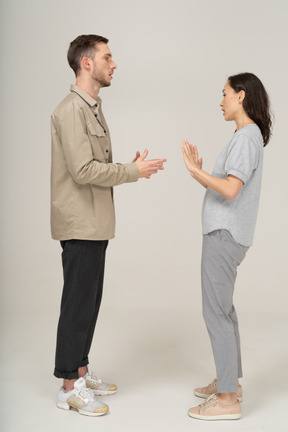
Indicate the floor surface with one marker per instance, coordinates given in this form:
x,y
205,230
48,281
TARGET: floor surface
x,y
156,361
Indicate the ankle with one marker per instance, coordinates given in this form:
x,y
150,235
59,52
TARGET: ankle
x,y
82,371
227,398
68,385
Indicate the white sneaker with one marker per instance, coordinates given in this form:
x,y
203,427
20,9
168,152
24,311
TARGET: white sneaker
x,y
98,387
81,399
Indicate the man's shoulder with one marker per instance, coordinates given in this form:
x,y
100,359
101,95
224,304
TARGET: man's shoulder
x,y
71,102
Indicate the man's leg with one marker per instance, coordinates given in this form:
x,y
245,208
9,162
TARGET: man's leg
x,y
97,302
83,269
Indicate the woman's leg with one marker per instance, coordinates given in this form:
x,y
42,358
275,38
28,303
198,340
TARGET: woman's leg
x,y
221,256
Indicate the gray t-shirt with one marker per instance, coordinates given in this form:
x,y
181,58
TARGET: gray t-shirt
x,y
242,158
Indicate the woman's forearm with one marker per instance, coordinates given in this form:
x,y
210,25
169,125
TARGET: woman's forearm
x,y
229,187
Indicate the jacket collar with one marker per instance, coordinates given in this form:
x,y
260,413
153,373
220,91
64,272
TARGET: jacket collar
x,y
94,104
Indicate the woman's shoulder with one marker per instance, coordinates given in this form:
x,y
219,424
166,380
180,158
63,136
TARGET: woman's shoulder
x,y
250,130
249,133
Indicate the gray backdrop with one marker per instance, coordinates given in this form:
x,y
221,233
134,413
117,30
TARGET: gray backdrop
x,y
173,60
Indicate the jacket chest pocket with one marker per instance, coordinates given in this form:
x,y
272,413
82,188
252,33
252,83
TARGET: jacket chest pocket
x,y
99,142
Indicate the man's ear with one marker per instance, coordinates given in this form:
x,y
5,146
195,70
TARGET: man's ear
x,y
86,63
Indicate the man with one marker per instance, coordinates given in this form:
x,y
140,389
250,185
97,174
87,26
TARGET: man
x,y
82,216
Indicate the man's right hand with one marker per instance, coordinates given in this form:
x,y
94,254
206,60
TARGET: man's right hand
x,y
149,167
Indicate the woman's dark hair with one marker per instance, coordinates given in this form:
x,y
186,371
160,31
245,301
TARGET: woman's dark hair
x,y
256,102
83,46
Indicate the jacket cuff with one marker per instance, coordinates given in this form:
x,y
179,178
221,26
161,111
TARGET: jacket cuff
x,y
133,172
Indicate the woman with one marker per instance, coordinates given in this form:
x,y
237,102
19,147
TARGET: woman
x,y
228,217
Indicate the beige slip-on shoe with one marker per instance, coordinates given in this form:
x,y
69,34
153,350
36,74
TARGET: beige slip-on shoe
x,y
212,409
211,388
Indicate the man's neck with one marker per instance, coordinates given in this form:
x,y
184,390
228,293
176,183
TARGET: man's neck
x,y
88,87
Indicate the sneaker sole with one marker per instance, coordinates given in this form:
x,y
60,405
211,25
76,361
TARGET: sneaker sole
x,y
219,417
201,395
103,392
205,396
67,407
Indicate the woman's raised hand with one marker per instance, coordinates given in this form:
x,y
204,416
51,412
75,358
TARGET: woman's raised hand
x,y
190,156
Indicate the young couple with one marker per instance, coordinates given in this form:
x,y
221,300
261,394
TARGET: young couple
x,y
83,220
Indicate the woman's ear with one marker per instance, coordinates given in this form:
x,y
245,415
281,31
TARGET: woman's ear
x,y
241,96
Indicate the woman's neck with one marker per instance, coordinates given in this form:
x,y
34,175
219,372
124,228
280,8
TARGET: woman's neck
x,y
243,121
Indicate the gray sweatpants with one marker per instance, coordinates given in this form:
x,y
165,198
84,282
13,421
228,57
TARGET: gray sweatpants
x,y
221,256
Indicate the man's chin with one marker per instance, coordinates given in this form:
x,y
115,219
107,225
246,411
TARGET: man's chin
x,y
106,84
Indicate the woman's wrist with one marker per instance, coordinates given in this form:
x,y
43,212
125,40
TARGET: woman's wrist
x,y
194,171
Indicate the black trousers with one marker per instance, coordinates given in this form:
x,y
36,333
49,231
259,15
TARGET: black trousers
x,y
83,270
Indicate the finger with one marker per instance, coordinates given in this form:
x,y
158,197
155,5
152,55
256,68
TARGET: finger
x,y
136,156
196,153
144,155
186,150
184,146
156,161
157,168
188,147
155,164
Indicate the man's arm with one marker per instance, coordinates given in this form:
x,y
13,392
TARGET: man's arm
x,y
147,168
71,132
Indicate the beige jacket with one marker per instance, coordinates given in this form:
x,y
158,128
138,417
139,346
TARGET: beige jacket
x,y
82,172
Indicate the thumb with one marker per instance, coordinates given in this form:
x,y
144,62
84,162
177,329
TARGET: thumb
x,y
144,155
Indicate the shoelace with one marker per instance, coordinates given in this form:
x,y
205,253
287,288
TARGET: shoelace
x,y
212,383
94,377
210,401
85,394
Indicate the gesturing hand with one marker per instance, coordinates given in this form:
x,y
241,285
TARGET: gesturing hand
x,y
190,156
137,156
149,167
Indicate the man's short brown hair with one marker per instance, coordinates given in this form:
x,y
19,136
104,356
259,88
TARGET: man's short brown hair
x,y
83,46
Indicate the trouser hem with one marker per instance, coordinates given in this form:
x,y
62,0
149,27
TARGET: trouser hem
x,y
230,389
66,375
84,362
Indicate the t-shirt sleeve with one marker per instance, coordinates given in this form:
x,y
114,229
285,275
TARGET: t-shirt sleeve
x,y
242,158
